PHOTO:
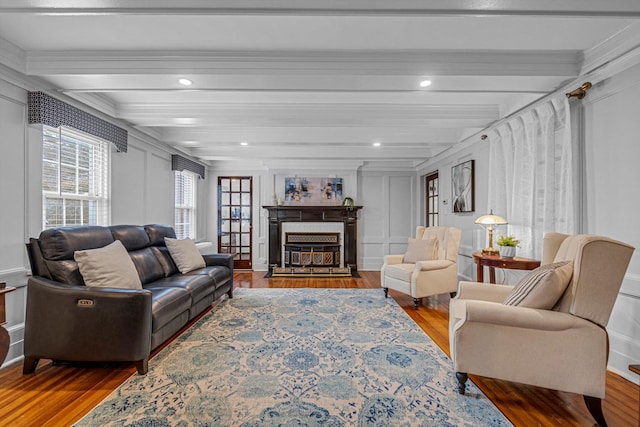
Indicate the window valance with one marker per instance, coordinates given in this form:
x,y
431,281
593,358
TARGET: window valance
x,y
179,163
47,110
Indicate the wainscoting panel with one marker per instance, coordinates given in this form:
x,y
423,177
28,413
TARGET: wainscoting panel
x,y
401,206
388,215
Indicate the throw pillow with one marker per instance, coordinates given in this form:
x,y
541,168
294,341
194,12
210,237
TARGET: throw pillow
x,y
185,254
543,287
421,250
109,267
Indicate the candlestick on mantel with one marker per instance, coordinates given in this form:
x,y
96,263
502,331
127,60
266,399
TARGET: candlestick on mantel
x,y
274,200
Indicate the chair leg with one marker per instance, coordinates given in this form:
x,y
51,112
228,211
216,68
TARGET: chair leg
x,y
143,366
386,292
462,378
230,293
416,301
594,405
29,365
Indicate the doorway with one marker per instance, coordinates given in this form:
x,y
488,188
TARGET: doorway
x,y
432,200
235,223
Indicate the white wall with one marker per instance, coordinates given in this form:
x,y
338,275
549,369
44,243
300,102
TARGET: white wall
x,y
14,221
612,152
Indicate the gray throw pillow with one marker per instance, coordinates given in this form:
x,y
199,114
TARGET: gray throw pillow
x,y
108,267
185,254
543,287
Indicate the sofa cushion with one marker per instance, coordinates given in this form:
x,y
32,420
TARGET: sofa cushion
x,y
133,237
147,264
219,274
61,243
543,287
197,285
164,257
110,266
400,271
185,254
167,304
421,250
157,233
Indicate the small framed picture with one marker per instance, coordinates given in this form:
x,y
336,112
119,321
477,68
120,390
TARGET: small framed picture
x,y
463,187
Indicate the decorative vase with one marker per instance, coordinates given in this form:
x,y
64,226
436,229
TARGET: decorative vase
x,y
507,251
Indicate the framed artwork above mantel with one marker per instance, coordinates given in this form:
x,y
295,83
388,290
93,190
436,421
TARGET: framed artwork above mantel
x,y
301,191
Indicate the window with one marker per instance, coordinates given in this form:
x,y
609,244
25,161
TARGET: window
x,y
432,200
75,178
185,219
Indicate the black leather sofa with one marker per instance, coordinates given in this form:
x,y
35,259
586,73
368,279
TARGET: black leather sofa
x,y
67,321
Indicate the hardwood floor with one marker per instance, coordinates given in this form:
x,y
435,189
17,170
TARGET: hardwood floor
x,y
60,395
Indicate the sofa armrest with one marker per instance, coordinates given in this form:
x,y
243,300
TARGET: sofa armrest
x,y
435,264
483,291
393,259
518,317
224,260
79,323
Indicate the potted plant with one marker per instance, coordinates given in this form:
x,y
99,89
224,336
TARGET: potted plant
x,y
507,246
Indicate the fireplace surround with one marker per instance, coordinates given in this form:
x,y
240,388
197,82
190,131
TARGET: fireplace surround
x,y
348,216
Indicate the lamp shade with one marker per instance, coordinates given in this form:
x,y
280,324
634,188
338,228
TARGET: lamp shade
x,y
491,219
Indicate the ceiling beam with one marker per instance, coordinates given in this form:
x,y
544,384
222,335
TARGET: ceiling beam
x,y
621,8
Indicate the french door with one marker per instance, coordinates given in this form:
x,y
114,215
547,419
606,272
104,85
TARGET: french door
x,y
432,200
234,219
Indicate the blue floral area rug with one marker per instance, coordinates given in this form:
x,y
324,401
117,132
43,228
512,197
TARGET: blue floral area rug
x,y
299,357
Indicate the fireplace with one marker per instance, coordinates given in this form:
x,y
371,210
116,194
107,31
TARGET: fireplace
x,y
322,221
312,249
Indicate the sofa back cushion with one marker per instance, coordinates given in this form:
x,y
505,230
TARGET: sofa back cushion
x,y
58,246
157,233
132,237
164,257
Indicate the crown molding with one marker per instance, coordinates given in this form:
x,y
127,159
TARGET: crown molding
x,y
614,47
95,100
613,8
12,56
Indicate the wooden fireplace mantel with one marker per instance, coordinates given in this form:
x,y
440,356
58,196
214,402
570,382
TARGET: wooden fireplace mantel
x,y
347,215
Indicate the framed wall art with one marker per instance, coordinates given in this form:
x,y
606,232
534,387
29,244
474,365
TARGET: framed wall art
x,y
463,187
312,191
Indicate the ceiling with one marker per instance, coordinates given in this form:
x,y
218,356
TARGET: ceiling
x,y
312,81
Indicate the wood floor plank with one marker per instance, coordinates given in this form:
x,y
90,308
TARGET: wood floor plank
x,y
60,395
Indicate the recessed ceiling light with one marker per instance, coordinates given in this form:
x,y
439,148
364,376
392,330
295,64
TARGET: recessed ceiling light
x,y
185,82
377,144
425,83
244,143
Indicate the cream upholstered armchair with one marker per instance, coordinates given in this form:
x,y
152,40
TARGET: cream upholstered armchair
x,y
551,333
428,268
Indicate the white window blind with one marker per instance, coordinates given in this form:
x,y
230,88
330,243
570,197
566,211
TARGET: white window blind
x,y
75,178
185,216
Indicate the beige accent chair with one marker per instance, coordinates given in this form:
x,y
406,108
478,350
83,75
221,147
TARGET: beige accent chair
x,y
425,278
565,348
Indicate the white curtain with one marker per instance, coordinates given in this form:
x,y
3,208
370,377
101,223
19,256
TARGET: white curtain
x,y
532,175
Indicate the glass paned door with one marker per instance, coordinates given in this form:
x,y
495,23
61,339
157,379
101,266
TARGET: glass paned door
x,y
432,200
234,219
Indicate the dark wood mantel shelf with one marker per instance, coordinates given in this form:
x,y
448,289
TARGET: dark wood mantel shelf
x,y
346,215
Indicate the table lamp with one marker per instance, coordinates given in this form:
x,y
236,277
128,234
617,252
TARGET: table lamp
x,y
488,222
